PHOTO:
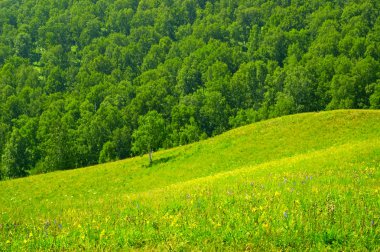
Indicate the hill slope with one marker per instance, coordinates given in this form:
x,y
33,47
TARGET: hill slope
x,y
308,180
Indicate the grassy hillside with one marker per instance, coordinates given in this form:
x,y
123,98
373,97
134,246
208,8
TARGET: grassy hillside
x,y
308,180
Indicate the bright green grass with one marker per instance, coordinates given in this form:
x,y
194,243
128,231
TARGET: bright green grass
x,y
308,181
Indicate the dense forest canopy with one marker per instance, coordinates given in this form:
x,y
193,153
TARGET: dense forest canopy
x,y
79,78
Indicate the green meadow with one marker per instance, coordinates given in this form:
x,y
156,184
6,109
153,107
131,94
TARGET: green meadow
x,y
301,182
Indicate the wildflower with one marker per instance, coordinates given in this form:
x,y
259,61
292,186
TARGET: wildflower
x,y
47,224
331,207
286,214
8,242
102,234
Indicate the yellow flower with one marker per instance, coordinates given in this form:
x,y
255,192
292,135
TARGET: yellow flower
x,y
193,225
102,234
217,225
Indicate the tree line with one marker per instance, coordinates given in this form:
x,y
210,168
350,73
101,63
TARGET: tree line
x,y
82,82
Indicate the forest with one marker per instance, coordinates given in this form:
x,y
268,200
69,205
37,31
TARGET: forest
x,y
92,81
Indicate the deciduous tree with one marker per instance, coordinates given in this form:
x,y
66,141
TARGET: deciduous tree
x,y
149,135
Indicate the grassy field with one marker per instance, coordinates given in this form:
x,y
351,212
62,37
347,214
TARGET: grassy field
x,y
308,181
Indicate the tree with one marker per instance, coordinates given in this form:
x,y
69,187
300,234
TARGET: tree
x,y
301,88
118,147
375,97
52,135
246,87
149,135
23,43
20,154
342,92
214,113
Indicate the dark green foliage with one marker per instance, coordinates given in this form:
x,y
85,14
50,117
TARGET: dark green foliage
x,y
76,76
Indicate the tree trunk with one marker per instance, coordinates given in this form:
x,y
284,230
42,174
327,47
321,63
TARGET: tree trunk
x,y
150,157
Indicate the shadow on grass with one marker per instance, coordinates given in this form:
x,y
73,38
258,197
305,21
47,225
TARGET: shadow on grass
x,y
159,161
